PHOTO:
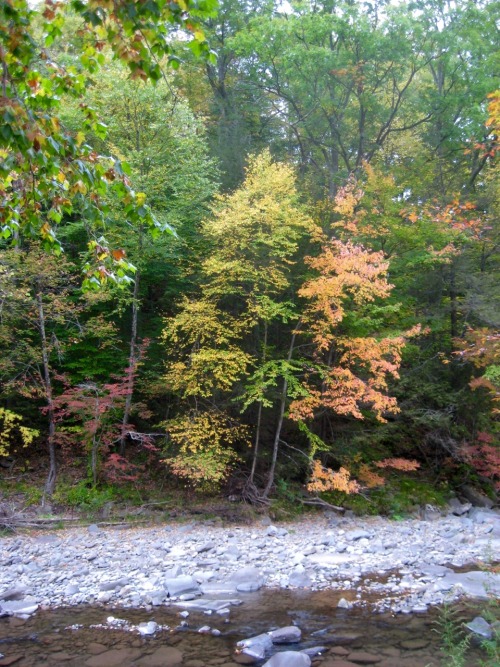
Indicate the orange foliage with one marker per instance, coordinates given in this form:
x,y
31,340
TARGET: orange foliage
x,y
324,479
369,477
406,465
347,272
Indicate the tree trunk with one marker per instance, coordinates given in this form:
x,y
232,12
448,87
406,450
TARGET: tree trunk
x,y
132,361
94,454
52,474
277,436
259,416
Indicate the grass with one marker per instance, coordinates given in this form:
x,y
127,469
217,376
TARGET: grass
x,y
457,642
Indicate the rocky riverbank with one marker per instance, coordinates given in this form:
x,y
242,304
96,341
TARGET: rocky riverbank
x,y
403,566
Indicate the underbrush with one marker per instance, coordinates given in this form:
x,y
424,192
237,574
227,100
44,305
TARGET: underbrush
x,y
458,643
398,498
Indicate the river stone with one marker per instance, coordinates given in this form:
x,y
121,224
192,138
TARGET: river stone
x,y
165,656
479,626
181,586
354,535
364,658
113,657
313,651
257,646
287,635
10,659
94,648
289,659
15,593
344,604
218,588
112,585
457,508
148,628
247,579
244,659
414,644
300,579
476,497
23,607
476,583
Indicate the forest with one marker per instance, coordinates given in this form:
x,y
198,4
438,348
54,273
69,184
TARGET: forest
x,y
250,248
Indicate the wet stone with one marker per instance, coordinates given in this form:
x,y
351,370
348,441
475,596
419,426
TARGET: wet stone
x,y
414,644
113,658
364,658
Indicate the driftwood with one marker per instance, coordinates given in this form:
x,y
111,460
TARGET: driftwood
x,y
322,503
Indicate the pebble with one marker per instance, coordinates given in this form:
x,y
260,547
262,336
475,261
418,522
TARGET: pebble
x,y
201,562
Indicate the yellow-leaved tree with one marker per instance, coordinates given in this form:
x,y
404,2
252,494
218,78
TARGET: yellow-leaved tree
x,y
221,338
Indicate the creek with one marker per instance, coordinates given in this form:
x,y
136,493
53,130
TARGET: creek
x,y
87,636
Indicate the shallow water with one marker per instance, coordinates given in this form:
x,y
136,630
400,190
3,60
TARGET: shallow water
x,y
47,638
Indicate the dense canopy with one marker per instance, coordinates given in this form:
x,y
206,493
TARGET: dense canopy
x,y
249,245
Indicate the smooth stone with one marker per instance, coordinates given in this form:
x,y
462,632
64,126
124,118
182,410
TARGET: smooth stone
x,y
344,604
259,640
414,644
20,607
289,659
354,535
476,583
165,656
244,659
364,658
148,628
457,508
300,579
94,648
15,593
249,586
287,635
10,659
113,585
313,651
113,657
480,626
476,497
181,585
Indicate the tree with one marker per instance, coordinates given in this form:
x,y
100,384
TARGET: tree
x,y
38,314
166,150
246,293
48,174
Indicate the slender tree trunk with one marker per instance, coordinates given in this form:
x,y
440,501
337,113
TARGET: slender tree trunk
x,y
94,455
259,415
281,417
453,304
132,361
52,475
